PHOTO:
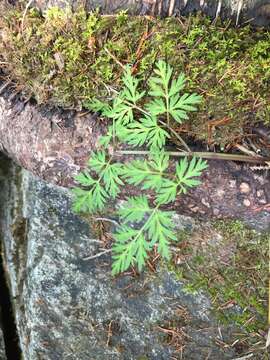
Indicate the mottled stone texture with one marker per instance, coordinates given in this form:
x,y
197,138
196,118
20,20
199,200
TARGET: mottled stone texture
x,y
2,346
57,153
70,308
256,11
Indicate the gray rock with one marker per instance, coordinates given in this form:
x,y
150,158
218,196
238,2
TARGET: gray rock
x,y
70,308
2,346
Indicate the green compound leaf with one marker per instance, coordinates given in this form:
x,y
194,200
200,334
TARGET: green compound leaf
x,y
160,84
177,85
130,247
122,111
123,249
161,231
142,227
188,171
112,180
156,107
84,178
150,174
178,106
90,200
167,193
146,132
97,161
99,106
130,91
135,209
108,172
105,140
167,99
133,244
187,174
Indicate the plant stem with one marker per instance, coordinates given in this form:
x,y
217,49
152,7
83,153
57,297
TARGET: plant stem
x,y
177,136
204,155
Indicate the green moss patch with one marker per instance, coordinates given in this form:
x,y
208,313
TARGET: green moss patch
x,y
230,262
66,58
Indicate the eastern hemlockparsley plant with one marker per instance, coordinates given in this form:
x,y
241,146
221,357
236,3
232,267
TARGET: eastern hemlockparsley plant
x,y
140,119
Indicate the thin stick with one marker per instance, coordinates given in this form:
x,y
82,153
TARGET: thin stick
x,y
245,151
98,255
204,155
106,219
177,135
2,88
114,58
245,357
24,13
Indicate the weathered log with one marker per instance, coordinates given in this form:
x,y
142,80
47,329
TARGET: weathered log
x,y
255,11
55,144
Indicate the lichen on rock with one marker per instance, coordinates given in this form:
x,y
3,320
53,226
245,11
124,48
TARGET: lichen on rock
x,y
69,307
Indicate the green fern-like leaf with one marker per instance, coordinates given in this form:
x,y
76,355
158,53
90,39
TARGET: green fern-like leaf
x,y
188,173
122,111
149,174
130,247
97,161
159,84
178,106
142,227
105,140
146,132
161,231
99,106
133,244
130,92
166,93
135,209
108,172
167,192
91,200
123,249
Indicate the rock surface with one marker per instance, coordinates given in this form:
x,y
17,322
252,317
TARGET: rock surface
x,y
255,11
2,346
67,307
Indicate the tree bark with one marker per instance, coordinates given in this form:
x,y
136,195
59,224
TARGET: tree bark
x,y
255,11
55,145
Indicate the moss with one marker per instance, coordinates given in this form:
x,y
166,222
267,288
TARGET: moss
x,y
66,58
234,272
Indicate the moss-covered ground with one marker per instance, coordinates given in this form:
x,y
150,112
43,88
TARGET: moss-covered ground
x,y
230,262
66,58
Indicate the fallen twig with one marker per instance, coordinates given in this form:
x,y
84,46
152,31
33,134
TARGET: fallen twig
x,y
98,255
204,155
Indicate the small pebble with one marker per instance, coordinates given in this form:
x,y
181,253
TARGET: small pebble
x,y
244,188
246,202
232,183
205,202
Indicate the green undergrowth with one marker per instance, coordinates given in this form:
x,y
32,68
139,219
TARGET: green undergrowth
x,y
66,58
231,264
